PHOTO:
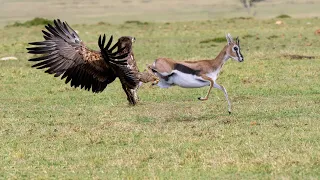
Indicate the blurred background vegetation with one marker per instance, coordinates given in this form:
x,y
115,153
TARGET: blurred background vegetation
x,y
93,11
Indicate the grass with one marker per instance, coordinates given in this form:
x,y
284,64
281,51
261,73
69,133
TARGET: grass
x,y
34,22
50,130
217,40
136,22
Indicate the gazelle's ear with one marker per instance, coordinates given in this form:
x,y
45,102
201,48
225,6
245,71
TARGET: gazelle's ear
x,y
237,40
229,38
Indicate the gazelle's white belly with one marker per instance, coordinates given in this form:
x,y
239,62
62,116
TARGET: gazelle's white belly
x,y
187,80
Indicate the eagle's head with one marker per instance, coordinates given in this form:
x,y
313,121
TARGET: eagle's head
x,y
126,43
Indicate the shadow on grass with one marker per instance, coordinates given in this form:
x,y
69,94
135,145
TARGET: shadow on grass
x,y
190,118
297,56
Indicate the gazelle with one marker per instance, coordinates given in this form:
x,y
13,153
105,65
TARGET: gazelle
x,y
196,74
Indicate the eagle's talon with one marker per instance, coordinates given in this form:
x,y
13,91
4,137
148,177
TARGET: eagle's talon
x,y
155,82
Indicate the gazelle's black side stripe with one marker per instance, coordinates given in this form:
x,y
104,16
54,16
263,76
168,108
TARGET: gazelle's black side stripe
x,y
186,69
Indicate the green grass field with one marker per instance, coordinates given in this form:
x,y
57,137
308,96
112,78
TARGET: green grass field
x,y
49,130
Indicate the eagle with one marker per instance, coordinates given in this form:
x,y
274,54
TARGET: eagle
x,y
64,53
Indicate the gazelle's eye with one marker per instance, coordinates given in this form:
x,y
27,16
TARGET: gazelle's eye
x,y
235,48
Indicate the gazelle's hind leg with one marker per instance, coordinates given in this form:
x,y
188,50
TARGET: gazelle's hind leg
x,y
161,82
215,85
211,85
149,69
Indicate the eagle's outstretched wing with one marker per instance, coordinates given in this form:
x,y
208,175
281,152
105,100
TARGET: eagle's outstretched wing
x,y
65,54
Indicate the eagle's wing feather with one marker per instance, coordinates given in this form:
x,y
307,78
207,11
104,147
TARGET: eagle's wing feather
x,y
126,75
65,54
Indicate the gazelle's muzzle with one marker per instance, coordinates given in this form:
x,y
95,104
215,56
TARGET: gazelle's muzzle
x,y
239,56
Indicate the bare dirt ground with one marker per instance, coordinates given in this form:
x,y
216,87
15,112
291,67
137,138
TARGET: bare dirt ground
x,y
92,11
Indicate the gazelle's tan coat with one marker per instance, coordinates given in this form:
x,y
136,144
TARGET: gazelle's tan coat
x,y
195,74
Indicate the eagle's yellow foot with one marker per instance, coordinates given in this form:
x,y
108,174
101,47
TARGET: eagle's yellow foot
x,y
155,82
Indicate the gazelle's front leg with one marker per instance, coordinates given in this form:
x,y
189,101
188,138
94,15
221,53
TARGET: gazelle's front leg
x,y
205,77
215,85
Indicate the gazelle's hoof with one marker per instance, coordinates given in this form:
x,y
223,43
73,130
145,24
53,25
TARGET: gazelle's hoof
x,y
202,99
229,112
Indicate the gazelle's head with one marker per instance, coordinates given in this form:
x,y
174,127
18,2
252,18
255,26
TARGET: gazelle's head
x,y
233,48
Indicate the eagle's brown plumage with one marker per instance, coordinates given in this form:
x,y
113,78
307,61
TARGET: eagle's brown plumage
x,y
125,43
65,54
